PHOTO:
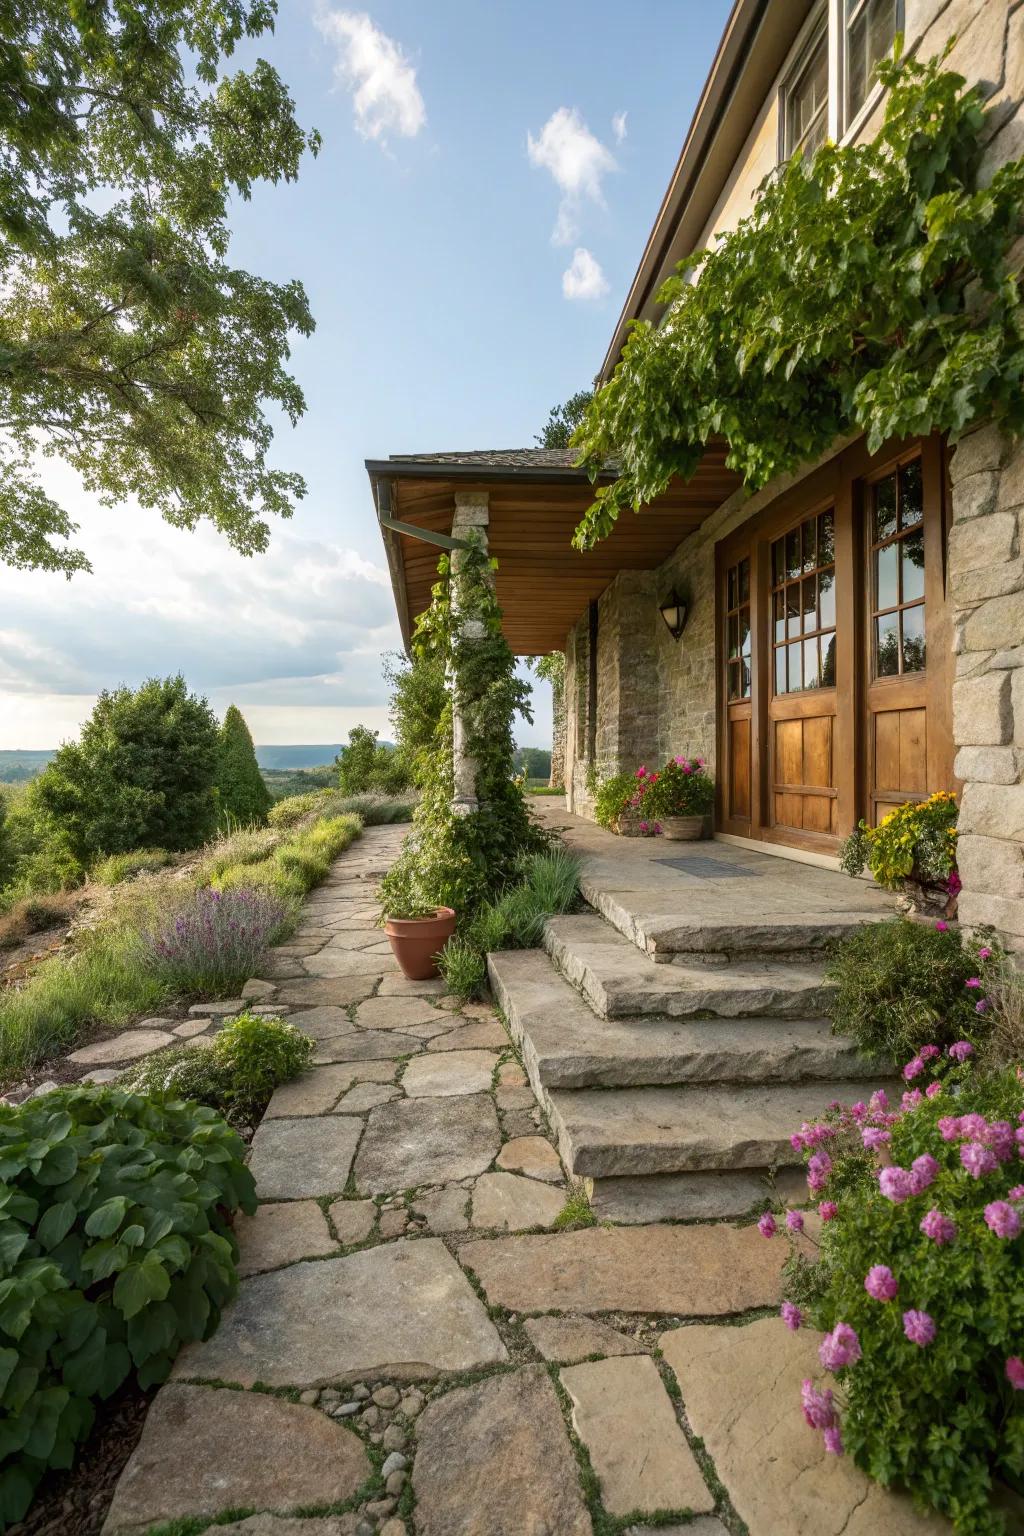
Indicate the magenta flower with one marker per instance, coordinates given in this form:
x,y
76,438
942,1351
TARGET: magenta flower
x,y
1003,1219
795,1221
973,1127
1016,1193
766,1226
918,1327
796,1141
859,1110
913,1068
949,1127
878,1101
839,1348
828,1210
873,1136
973,982
912,1098
1000,1137
880,1282
978,1159
933,1090
833,1441
791,1316
818,1169
896,1184
1015,1372
929,1052
941,927
941,1229
924,1171
819,1411
982,1006
984,953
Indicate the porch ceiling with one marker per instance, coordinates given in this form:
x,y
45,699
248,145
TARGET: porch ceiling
x,y
536,499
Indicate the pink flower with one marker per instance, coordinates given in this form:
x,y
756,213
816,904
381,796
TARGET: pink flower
x,y
973,982
1015,1372
896,1184
925,1170
913,1068
941,927
954,885
839,1348
795,1221
973,1127
912,1098
941,1229
818,1169
873,1136
984,953
918,1327
949,1127
929,1052
878,1101
641,773
791,1316
978,1159
796,1141
833,1441
1000,1137
828,1210
1003,1219
766,1226
880,1282
859,1111
1016,1193
982,1006
933,1090
818,1407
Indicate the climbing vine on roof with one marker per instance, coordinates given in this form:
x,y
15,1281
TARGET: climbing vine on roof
x,y
872,289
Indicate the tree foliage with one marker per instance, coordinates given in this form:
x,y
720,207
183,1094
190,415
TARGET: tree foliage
x,y
242,796
418,699
872,289
142,774
129,346
367,766
564,419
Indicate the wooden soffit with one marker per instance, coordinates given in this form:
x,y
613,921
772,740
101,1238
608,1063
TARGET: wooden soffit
x,y
543,584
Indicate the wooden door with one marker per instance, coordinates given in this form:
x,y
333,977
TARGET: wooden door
x,y
736,692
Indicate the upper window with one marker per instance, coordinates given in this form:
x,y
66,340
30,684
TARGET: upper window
x,y
805,99
870,30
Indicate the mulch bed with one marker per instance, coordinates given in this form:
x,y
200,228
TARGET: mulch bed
x,y
75,1503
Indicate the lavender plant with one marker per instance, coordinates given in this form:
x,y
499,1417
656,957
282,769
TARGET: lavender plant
x,y
214,943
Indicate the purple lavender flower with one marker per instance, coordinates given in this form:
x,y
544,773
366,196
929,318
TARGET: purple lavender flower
x,y
791,1316
766,1226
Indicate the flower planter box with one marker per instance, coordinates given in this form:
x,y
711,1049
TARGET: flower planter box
x,y
682,829
417,941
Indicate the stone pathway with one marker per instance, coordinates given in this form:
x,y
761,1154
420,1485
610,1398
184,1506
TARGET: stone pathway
x,y
416,1348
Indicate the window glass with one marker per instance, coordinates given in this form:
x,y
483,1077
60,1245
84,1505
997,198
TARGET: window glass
x,y
897,560
870,32
804,604
806,100
737,631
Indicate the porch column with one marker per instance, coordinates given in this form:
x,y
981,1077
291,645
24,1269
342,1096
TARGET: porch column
x,y
471,515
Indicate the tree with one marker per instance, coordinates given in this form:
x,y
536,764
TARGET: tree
x,y
367,766
564,419
242,796
418,698
129,347
142,774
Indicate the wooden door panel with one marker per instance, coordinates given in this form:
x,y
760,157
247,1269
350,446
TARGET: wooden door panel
x,y
739,769
804,782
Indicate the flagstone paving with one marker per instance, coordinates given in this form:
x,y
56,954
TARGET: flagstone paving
x,y
404,1243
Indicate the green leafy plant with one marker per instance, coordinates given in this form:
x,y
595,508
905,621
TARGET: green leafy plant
x,y
298,863
919,1286
683,787
125,866
549,883
417,701
612,798
115,1248
236,1073
464,967
242,795
900,984
915,840
366,765
872,289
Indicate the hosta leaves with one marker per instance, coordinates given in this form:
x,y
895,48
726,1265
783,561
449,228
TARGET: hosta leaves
x,y
106,1218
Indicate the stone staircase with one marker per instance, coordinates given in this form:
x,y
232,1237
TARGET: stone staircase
x,y
675,1058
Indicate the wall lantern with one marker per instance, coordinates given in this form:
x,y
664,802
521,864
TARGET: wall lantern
x,y
673,611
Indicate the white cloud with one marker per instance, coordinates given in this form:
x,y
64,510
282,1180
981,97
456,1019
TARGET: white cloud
x,y
386,98
583,278
576,160
619,126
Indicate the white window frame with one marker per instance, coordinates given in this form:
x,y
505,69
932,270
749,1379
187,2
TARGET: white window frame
x,y
828,15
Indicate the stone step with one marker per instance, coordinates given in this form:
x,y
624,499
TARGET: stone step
x,y
565,1045
638,1132
619,981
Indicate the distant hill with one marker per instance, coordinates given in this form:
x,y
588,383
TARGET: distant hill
x,y
17,765
296,757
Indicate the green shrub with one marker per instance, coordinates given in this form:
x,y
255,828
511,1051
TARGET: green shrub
x,y
236,1074
464,967
549,884
902,984
612,797
366,765
115,1248
373,810
915,840
297,863
242,794
246,845
919,1285
122,866
287,812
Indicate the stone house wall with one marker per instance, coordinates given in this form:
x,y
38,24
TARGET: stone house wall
x,y
656,695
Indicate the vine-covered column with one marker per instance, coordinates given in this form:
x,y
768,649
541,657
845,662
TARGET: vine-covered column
x,y
471,517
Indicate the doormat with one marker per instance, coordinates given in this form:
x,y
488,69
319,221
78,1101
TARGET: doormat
x,y
703,868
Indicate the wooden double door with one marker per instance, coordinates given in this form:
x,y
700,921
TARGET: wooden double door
x,y
833,650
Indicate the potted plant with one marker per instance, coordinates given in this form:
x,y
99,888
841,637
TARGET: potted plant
x,y
912,851
679,797
417,932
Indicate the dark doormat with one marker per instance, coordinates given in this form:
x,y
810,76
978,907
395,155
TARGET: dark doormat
x,y
703,868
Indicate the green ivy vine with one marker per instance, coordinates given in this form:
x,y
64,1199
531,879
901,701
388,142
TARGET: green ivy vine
x,y
872,289
452,859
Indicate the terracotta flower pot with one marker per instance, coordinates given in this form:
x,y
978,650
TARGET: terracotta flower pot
x,y
682,829
417,941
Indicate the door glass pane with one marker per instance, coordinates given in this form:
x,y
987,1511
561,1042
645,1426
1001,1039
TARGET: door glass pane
x,y
744,631
795,682
793,610
745,673
780,670
811,678
793,553
810,544
885,508
826,539
733,636
734,679
810,604
911,495
780,616
827,599
778,562
828,661
912,557
887,643
913,639
886,592
744,581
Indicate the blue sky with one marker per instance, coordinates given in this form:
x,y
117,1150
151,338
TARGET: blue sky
x,y
489,173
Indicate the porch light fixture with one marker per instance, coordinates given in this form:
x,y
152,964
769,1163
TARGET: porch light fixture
x,y
673,611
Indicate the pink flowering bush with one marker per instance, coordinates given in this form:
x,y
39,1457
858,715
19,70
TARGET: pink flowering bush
x,y
684,787
918,1285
